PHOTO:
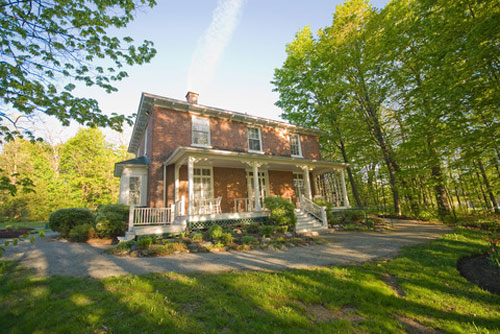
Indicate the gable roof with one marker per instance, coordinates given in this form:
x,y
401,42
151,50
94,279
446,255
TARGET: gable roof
x,y
148,101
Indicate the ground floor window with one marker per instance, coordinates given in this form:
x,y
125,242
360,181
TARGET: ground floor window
x,y
134,190
203,183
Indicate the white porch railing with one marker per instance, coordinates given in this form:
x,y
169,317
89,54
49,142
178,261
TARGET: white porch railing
x,y
242,205
314,209
150,216
180,207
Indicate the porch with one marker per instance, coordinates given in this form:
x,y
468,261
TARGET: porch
x,y
205,185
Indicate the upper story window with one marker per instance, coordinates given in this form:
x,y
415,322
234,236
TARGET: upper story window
x,y
254,140
295,145
201,131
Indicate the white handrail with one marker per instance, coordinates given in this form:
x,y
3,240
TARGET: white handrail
x,y
314,209
247,205
205,206
150,216
180,207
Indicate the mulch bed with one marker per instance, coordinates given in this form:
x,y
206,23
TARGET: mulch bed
x,y
478,270
11,233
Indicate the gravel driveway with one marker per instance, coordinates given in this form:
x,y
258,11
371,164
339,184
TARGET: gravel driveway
x,y
49,256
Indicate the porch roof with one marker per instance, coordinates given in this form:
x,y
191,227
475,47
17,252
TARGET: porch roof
x,y
223,158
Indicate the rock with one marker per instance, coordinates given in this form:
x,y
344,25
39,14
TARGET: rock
x,y
192,248
266,240
237,231
288,234
214,250
207,244
134,247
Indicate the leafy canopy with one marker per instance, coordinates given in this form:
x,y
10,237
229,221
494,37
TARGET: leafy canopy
x,y
44,43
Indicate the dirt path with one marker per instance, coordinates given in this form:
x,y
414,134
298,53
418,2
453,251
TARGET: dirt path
x,y
50,256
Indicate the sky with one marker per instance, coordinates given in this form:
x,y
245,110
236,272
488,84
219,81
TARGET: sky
x,y
247,38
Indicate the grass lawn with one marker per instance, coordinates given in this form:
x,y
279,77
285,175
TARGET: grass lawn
x,y
23,224
420,288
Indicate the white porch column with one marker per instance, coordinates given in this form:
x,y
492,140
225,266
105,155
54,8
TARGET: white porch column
x,y
344,189
307,182
256,186
176,184
190,185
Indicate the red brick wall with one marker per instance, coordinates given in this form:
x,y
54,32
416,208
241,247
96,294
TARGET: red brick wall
x,y
230,183
281,183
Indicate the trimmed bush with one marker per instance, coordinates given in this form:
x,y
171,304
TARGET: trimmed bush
x,y
81,233
282,211
249,240
197,237
253,228
215,232
268,230
145,243
64,220
226,238
112,220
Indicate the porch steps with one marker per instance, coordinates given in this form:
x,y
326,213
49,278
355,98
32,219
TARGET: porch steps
x,y
308,224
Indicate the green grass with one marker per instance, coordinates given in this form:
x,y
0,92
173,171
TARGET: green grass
x,y
23,224
249,302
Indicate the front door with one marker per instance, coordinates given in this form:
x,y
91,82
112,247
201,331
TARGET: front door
x,y
263,185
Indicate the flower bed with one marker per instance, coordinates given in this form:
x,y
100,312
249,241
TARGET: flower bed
x,y
215,239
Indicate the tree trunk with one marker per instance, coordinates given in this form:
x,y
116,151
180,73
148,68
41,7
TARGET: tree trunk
x,y
488,187
487,203
354,186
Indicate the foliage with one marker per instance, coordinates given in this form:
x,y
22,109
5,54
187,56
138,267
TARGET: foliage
x,y
253,228
112,220
145,242
48,47
64,220
166,249
81,233
408,96
197,236
436,296
249,240
268,230
330,217
215,232
226,238
78,173
282,211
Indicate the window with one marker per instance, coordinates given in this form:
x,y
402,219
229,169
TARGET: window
x,y
202,180
254,140
201,131
134,190
295,145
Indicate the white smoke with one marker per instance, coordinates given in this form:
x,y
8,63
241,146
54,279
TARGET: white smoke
x,y
212,44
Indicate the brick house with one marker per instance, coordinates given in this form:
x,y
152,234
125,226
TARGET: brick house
x,y
197,163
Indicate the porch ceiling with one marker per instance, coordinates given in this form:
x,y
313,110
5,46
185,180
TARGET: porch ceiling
x,y
231,159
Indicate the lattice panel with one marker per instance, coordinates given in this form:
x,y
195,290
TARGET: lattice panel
x,y
201,225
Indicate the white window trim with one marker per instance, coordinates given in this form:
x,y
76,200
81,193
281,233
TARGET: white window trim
x,y
211,175
193,118
260,140
300,146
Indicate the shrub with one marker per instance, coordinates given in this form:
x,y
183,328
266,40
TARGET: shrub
x,y
282,211
215,232
169,248
268,230
494,252
81,233
145,243
330,216
197,237
64,220
112,220
226,238
249,240
282,229
253,228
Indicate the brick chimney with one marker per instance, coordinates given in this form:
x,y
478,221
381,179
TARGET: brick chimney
x,y
192,97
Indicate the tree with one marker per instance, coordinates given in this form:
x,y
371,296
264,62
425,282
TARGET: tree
x,y
48,43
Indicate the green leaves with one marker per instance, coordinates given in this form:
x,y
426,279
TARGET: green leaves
x,y
45,42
